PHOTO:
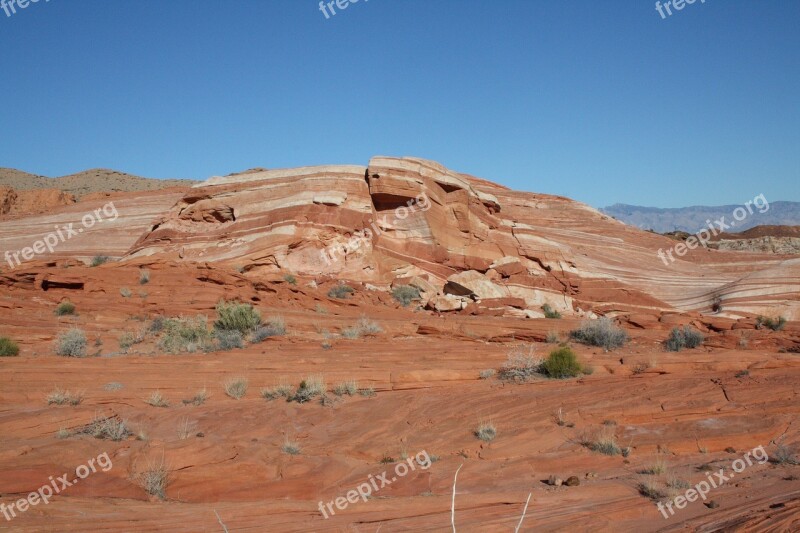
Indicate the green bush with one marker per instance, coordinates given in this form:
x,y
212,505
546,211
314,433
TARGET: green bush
x,y
405,294
340,291
100,260
562,363
775,324
8,348
237,316
291,280
680,338
184,334
549,312
65,308
71,343
601,332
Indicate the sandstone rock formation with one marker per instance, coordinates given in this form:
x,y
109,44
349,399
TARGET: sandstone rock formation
x,y
411,217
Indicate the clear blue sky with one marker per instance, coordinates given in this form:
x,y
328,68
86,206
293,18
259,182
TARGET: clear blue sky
x,y
601,101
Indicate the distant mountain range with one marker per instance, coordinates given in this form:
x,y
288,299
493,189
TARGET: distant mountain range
x,y
693,219
86,182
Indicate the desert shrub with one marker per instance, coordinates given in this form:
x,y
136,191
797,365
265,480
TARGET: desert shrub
x,y
290,447
553,337
685,337
236,388
368,327
677,483
157,325
185,428
237,316
488,373
601,332
144,277
405,294
154,479
485,431
156,399
560,418
274,327
198,399
228,339
309,388
549,312
279,391
99,260
125,292
367,392
775,324
291,280
184,334
110,428
521,364
651,489
65,308
350,388
8,348
351,333
784,455
658,467
340,291
364,326
562,363
128,339
605,443
71,343
63,397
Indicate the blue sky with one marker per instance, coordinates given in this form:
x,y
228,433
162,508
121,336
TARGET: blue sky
x,y
603,102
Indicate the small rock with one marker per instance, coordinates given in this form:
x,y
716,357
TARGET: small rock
x,y
555,481
712,504
573,481
201,434
730,449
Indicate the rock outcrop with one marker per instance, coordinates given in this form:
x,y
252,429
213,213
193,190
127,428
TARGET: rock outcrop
x,y
400,218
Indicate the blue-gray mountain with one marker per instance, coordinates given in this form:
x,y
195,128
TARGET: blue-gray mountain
x,y
693,219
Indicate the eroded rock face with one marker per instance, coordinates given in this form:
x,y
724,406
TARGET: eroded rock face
x,y
406,218
30,202
400,218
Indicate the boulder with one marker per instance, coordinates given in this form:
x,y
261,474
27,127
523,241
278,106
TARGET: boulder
x,y
447,303
474,284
